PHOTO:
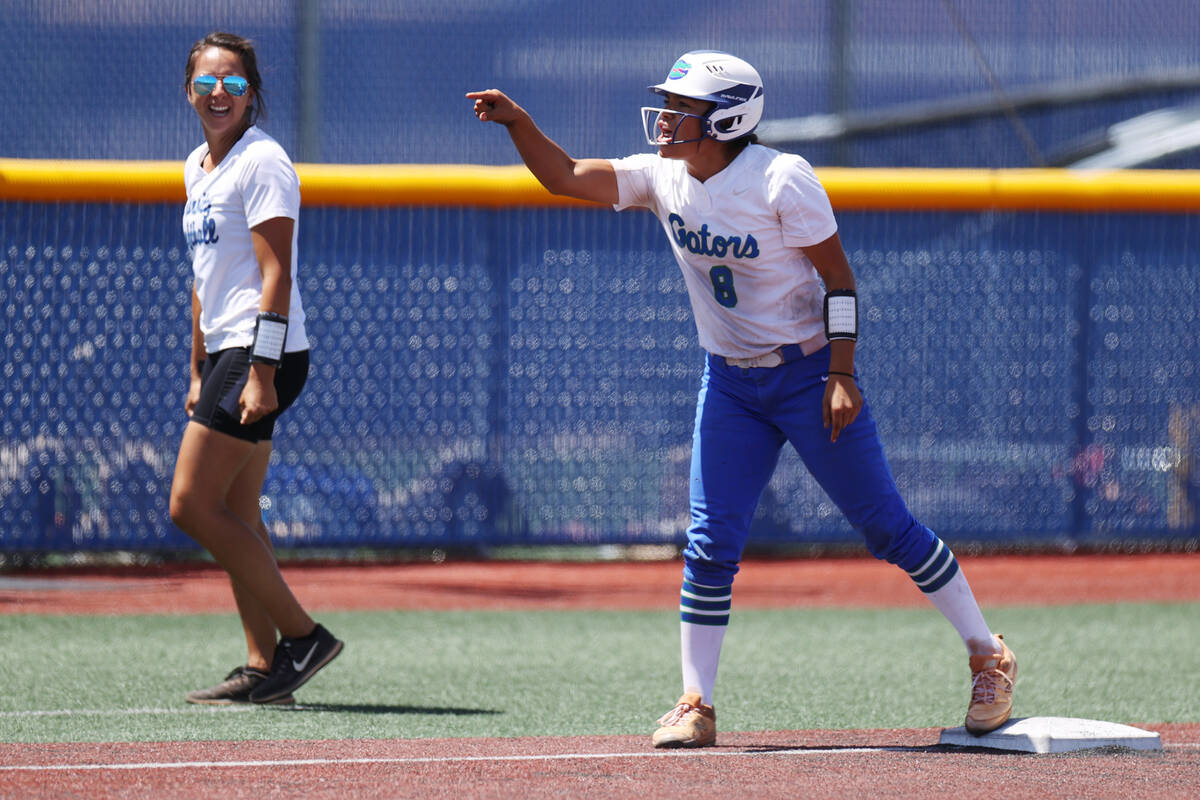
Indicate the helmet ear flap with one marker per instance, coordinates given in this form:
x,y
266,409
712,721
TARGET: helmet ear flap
x,y
737,117
725,125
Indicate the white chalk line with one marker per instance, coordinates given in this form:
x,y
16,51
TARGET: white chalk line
x,y
317,762
119,712
310,762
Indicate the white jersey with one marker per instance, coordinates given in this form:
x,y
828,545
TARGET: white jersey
x,y
255,182
737,238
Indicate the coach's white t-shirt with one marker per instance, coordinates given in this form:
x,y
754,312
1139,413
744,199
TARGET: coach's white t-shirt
x,y
255,182
737,238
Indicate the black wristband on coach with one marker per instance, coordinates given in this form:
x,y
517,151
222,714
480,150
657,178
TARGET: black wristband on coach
x,y
270,335
841,314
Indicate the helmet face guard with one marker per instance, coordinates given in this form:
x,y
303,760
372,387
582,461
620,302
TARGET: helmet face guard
x,y
656,122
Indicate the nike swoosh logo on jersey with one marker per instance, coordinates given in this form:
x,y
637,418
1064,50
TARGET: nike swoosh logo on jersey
x,y
824,378
300,665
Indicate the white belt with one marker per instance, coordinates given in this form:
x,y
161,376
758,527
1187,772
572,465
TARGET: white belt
x,y
771,359
776,356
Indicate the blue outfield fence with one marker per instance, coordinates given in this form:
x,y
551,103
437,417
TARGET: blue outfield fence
x,y
379,81
493,377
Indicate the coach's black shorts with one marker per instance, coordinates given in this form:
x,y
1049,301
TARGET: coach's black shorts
x,y
221,382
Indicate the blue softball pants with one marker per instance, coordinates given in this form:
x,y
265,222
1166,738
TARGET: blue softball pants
x,y
743,418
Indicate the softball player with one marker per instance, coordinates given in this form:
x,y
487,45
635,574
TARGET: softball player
x,y
249,361
775,307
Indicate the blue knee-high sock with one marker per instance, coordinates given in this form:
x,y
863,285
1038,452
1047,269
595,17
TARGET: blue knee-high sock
x,y
936,570
940,578
705,605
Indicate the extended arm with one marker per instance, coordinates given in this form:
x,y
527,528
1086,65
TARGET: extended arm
x,y
585,178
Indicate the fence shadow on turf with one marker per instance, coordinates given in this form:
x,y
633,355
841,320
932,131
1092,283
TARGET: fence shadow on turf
x,y
376,708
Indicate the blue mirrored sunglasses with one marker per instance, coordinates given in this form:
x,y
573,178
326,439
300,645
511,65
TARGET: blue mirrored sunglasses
x,y
234,84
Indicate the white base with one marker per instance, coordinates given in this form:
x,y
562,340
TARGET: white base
x,y
1055,735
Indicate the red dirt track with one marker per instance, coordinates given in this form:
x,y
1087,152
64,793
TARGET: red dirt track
x,y
842,582
774,764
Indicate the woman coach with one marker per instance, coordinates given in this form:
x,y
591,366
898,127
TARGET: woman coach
x,y
249,361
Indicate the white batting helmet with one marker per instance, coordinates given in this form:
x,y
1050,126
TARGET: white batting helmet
x,y
726,80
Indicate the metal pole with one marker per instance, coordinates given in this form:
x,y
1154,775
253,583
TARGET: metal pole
x,y
308,76
839,83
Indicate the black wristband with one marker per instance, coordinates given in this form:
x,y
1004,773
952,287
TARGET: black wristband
x,y
835,372
270,335
841,315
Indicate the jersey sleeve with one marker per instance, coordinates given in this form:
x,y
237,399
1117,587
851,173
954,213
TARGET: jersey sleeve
x,y
270,187
805,214
634,181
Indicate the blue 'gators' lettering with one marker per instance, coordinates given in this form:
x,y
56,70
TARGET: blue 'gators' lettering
x,y
704,243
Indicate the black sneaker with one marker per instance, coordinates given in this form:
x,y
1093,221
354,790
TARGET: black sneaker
x,y
234,689
296,660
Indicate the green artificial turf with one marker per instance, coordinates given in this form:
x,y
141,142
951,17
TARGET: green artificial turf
x,y
458,674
